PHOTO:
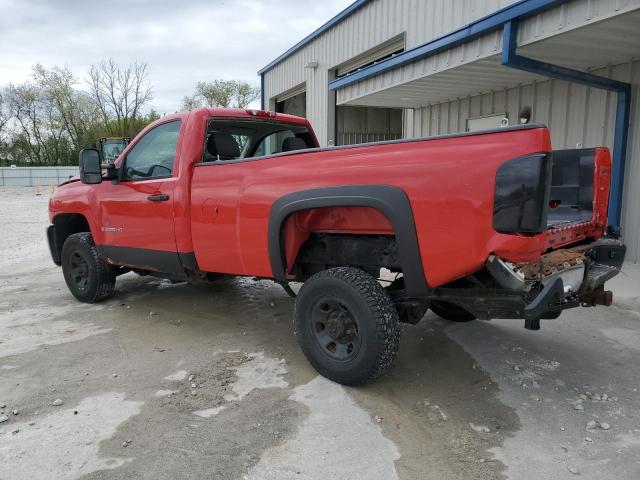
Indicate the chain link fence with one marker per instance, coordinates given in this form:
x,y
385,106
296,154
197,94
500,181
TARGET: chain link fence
x,y
34,176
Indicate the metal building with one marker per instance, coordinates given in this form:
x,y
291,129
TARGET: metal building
x,y
386,69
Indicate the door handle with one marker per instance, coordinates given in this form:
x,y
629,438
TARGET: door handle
x,y
158,197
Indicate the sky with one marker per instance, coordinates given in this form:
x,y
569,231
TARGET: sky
x,y
182,42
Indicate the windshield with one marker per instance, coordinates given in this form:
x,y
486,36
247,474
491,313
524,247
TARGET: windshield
x,y
237,139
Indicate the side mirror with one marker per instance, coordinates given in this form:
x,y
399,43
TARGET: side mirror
x,y
112,172
90,167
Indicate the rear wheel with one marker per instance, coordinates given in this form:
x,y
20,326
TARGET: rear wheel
x,y
89,278
451,312
347,325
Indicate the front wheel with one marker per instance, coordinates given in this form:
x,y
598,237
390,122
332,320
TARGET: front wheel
x,y
347,325
89,278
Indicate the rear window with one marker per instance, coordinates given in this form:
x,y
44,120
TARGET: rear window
x,y
238,139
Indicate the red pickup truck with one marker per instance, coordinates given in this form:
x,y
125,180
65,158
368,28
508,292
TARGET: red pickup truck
x,y
476,225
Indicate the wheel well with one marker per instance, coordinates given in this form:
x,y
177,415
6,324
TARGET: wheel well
x,y
67,224
389,202
326,250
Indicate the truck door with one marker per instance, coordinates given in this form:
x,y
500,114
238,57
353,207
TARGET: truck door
x,y
136,213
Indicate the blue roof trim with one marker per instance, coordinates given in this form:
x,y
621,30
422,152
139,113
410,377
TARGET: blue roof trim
x,y
482,26
331,23
511,59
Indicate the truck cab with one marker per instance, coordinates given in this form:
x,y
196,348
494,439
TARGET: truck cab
x,y
140,214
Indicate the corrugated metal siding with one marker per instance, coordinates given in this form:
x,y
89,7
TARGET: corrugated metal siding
x,y
479,56
576,116
375,23
571,15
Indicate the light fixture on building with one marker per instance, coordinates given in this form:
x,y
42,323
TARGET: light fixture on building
x,y
313,65
525,115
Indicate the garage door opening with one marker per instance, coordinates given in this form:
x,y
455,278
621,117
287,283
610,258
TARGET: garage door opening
x,y
367,124
293,102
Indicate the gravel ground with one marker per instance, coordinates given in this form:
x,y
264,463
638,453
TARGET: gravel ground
x,y
171,381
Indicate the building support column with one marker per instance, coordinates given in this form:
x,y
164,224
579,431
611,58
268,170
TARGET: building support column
x,y
262,102
332,124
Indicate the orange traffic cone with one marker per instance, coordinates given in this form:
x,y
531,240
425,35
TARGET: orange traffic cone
x,y
38,189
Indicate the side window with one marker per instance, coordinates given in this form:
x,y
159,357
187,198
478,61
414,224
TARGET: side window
x,y
153,155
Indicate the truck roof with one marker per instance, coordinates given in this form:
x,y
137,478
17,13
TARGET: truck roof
x,y
247,113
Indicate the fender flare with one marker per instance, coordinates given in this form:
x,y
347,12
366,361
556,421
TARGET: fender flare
x,y
59,230
391,201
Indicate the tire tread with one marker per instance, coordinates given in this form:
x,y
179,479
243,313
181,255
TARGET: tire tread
x,y
387,323
105,274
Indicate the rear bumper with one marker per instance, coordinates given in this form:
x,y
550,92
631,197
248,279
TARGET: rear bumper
x,y
548,298
606,251
553,299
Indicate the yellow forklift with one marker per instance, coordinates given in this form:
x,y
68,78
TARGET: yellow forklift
x,y
112,147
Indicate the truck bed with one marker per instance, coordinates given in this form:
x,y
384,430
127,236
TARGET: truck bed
x,y
578,195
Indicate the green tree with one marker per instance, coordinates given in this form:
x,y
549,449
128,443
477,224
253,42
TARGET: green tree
x,y
49,118
40,137
73,109
221,93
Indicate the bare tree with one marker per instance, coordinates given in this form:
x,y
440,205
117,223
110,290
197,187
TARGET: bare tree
x,y
4,113
4,123
222,93
120,93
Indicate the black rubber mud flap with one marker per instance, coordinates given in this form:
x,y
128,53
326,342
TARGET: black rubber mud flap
x,y
548,300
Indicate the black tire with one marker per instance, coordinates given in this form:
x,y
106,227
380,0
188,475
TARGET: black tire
x,y
89,278
347,308
451,312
